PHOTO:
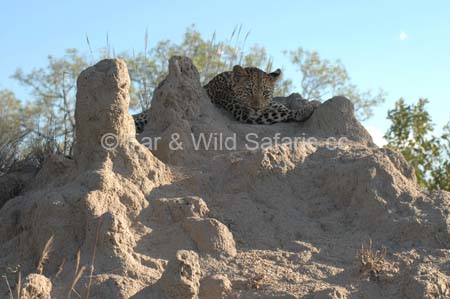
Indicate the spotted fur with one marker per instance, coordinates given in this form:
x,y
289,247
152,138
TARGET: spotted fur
x,y
140,120
247,93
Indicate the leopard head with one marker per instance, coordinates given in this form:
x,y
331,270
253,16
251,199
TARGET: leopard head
x,y
254,86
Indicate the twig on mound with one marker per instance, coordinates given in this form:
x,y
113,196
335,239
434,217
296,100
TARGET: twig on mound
x,y
91,272
9,287
19,285
75,281
77,263
60,268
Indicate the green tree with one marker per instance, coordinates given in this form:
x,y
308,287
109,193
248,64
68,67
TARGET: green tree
x,y
15,121
321,79
53,90
411,133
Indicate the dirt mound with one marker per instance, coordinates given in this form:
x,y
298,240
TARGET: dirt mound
x,y
291,210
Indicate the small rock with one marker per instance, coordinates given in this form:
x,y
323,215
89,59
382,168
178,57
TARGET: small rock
x,y
36,286
210,236
215,287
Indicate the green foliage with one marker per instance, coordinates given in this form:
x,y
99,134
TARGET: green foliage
x,y
13,130
53,89
411,133
321,79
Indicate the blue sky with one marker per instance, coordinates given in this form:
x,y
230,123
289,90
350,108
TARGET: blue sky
x,y
401,46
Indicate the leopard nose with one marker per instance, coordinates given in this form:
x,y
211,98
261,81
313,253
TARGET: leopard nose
x,y
261,102
257,102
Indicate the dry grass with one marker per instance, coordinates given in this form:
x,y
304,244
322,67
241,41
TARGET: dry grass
x,y
19,285
91,272
18,292
9,287
78,273
76,278
45,255
39,270
60,268
372,262
77,262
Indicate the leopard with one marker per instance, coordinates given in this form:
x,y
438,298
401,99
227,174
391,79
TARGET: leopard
x,y
247,93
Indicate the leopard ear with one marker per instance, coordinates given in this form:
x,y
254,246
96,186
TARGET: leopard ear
x,y
276,74
239,71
